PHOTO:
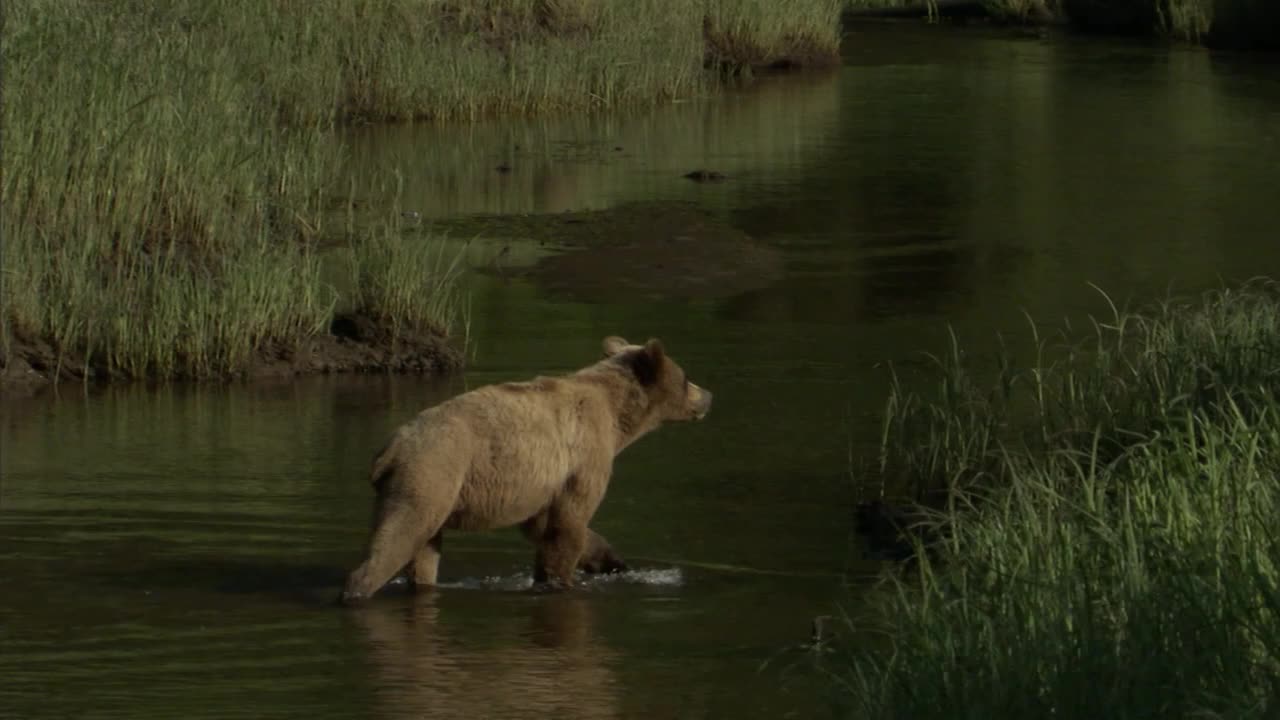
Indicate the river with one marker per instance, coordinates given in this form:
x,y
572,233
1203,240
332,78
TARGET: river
x,y
174,552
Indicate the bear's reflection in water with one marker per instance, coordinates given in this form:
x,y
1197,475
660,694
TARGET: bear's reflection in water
x,y
548,663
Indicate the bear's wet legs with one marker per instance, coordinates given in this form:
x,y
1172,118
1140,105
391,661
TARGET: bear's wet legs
x,y
559,554
426,563
598,557
401,531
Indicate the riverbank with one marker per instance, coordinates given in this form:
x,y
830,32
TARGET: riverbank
x,y
172,169
1236,24
1101,525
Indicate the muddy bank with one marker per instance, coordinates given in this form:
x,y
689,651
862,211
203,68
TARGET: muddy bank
x,y
354,344
658,250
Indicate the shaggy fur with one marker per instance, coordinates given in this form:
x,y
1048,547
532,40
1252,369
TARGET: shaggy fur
x,y
538,454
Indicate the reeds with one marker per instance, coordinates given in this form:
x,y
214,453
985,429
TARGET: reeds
x,y
1106,536
154,218
165,163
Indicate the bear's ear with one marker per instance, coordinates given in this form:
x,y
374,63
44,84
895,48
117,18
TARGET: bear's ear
x,y
649,361
614,345
655,350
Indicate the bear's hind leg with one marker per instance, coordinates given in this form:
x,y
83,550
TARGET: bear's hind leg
x,y
402,530
534,530
426,563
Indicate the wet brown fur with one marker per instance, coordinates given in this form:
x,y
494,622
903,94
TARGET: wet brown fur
x,y
537,454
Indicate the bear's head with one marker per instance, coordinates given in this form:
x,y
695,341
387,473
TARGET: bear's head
x,y
672,396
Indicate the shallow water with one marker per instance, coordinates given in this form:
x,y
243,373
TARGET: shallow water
x,y
174,552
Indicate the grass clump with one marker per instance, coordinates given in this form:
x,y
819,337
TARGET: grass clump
x,y
165,162
148,209
405,283
745,34
157,220
1106,541
441,60
1138,375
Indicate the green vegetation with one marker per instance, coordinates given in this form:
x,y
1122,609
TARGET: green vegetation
x,y
146,198
1107,538
170,167
390,289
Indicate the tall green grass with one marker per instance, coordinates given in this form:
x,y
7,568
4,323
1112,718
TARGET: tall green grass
x,y
1137,374
158,221
458,59
166,162
405,282
1107,537
150,209
746,34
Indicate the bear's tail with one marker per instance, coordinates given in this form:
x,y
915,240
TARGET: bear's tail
x,y
383,467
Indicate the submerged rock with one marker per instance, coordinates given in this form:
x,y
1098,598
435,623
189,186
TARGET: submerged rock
x,y
706,176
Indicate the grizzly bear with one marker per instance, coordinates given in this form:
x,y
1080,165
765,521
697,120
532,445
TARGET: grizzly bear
x,y
537,454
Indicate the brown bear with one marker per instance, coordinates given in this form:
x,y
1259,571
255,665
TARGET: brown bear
x,y
538,454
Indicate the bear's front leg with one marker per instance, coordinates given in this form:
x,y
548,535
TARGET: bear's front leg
x,y
559,553
562,528
598,557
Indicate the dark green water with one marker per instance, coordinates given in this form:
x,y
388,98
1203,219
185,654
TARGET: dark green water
x,y
173,553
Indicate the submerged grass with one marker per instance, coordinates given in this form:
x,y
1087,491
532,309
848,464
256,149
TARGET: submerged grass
x,y
165,162
1107,529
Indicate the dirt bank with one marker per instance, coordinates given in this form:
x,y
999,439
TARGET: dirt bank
x,y
354,344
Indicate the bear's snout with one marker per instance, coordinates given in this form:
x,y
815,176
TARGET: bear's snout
x,y
700,400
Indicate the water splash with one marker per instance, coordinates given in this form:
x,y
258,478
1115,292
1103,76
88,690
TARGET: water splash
x,y
518,582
